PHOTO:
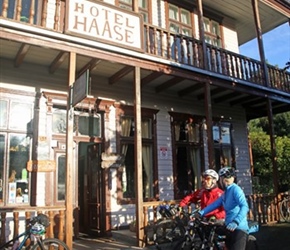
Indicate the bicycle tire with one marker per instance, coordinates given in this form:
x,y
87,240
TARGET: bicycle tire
x,y
51,244
285,210
183,244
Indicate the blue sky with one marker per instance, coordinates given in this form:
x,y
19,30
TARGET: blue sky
x,y
276,46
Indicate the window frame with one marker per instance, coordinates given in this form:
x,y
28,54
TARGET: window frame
x,y
190,146
143,11
128,111
209,34
178,23
20,97
220,148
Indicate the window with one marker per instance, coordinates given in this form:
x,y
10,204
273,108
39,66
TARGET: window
x,y
223,145
187,145
19,150
15,150
61,166
85,124
180,20
212,32
143,7
127,175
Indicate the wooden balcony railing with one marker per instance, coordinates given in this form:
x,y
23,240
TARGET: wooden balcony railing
x,y
263,208
160,43
18,216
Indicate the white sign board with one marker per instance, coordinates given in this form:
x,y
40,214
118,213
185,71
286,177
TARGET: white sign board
x,y
101,21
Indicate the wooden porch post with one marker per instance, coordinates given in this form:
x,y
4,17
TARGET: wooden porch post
x,y
269,103
208,114
138,158
201,33
69,154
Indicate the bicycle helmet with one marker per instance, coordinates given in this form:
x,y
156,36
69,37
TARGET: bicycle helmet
x,y
227,172
38,229
212,173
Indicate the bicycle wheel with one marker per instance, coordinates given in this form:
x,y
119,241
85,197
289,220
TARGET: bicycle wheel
x,y
51,244
185,244
285,210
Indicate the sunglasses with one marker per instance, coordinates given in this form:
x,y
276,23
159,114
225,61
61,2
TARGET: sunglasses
x,y
207,178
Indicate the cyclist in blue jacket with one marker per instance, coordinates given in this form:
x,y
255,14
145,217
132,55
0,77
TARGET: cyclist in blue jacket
x,y
235,204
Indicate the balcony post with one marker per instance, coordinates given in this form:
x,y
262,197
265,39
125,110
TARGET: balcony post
x,y
69,153
138,158
269,103
201,33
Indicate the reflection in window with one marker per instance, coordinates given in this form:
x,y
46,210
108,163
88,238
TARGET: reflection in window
x,y
179,20
89,125
3,113
20,116
2,148
84,124
61,177
223,145
59,121
19,147
212,32
187,131
142,4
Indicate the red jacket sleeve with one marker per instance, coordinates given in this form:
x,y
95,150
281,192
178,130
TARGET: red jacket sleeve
x,y
192,198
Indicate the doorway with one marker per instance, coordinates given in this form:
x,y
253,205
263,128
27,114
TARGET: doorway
x,y
91,189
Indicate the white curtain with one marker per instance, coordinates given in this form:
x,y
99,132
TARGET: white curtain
x,y
177,131
146,157
195,168
193,132
125,131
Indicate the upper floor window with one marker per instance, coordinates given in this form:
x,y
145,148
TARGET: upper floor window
x,y
143,7
212,32
180,20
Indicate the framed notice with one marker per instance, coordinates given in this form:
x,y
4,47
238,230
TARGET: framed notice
x,y
163,152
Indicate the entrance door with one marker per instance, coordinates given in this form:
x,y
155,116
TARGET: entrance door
x,y
91,189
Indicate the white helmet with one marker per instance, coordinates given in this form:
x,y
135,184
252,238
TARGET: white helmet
x,y
212,173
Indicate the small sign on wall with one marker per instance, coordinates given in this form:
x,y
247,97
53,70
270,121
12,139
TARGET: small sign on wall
x,y
41,166
163,152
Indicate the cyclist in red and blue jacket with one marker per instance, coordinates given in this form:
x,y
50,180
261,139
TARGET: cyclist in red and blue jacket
x,y
236,207
206,195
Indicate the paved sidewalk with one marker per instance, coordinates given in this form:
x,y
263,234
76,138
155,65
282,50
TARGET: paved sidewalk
x,y
274,236
120,240
270,237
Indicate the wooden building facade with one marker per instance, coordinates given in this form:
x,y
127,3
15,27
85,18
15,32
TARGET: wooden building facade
x,y
108,105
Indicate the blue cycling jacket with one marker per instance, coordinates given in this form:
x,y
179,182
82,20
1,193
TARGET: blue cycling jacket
x,y
235,204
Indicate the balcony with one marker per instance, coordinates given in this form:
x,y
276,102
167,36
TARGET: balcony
x,y
174,49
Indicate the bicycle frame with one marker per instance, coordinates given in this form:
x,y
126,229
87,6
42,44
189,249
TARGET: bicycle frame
x,y
26,235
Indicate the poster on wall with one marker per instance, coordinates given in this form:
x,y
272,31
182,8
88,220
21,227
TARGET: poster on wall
x,y
163,152
11,192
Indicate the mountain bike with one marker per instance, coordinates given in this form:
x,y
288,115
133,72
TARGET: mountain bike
x,y
32,238
284,208
168,230
210,235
